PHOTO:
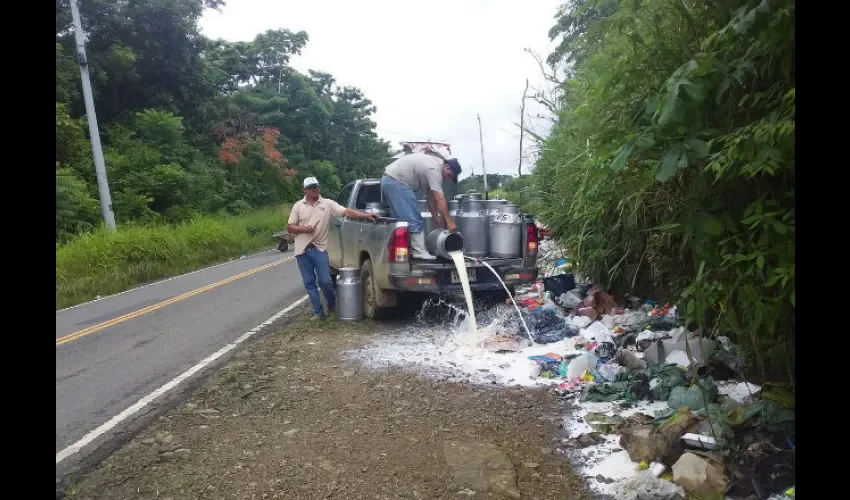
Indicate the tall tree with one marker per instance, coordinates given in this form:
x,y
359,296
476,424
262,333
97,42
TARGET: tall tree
x,y
192,125
142,54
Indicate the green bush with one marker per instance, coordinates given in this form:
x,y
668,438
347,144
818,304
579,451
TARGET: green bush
x,y
671,170
103,263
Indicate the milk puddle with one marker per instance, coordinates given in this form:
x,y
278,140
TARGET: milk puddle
x,y
448,351
442,351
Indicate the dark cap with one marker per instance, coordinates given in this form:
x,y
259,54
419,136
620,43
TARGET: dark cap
x,y
454,165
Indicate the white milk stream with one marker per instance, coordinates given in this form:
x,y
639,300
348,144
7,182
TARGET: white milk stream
x,y
519,313
457,257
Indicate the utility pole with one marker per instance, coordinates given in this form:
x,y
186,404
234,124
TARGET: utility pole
x,y
91,118
483,168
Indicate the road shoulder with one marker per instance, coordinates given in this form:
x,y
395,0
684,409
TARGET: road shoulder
x,y
289,417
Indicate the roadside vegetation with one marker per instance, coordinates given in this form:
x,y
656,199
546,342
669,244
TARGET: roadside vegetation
x,y
671,169
103,263
200,138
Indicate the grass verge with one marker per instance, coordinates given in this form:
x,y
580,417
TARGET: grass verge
x,y
103,263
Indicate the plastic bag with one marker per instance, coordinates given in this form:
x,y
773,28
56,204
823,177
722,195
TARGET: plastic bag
x,y
742,392
548,303
664,380
693,396
606,351
585,362
650,335
570,299
559,284
609,370
598,332
579,321
679,358
629,319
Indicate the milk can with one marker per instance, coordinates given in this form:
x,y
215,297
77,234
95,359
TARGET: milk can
x,y
493,207
440,242
374,207
505,233
349,294
453,206
430,225
472,223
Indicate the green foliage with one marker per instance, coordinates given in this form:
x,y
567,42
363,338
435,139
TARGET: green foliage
x,y
518,190
195,126
76,209
143,54
475,183
101,262
326,173
146,167
671,169
67,76
72,148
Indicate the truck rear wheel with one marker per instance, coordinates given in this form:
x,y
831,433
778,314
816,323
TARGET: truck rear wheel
x,y
371,293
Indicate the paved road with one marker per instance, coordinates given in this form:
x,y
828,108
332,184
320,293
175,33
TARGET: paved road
x,y
112,352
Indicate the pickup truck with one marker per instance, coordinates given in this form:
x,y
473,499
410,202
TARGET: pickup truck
x,y
380,249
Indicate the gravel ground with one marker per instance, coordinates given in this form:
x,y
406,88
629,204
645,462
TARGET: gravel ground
x,y
290,417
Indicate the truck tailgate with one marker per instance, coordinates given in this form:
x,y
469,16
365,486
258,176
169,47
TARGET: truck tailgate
x,y
441,276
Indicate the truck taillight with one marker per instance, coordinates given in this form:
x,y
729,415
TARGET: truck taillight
x,y
531,239
398,247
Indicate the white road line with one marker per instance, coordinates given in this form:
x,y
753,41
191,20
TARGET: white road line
x,y
117,419
166,279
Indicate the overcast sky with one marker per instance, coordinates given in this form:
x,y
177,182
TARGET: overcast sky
x,y
428,67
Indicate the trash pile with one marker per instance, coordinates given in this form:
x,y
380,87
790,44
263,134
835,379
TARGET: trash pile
x,y
658,411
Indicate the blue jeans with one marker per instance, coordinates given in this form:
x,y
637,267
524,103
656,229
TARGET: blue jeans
x,y
313,263
403,204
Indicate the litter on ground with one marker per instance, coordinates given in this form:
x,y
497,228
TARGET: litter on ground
x,y
653,410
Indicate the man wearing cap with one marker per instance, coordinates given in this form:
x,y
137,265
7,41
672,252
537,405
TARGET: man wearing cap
x,y
309,220
408,174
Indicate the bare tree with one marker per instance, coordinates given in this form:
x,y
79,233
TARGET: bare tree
x,y
522,126
549,95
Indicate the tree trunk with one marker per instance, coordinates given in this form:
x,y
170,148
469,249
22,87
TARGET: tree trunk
x,y
521,126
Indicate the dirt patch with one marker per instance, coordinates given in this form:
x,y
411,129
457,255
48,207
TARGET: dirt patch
x,y
288,417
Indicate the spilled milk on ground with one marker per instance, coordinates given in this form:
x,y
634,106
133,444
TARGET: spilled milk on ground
x,y
457,257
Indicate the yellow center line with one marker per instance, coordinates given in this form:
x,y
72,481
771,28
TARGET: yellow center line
x,y
154,307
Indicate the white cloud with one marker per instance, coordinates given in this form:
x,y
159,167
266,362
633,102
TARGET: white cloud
x,y
428,70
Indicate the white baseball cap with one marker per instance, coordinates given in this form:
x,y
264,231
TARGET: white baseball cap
x,y
310,181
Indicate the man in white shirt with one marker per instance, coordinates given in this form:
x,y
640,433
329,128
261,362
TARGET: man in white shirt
x,y
309,220
408,174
